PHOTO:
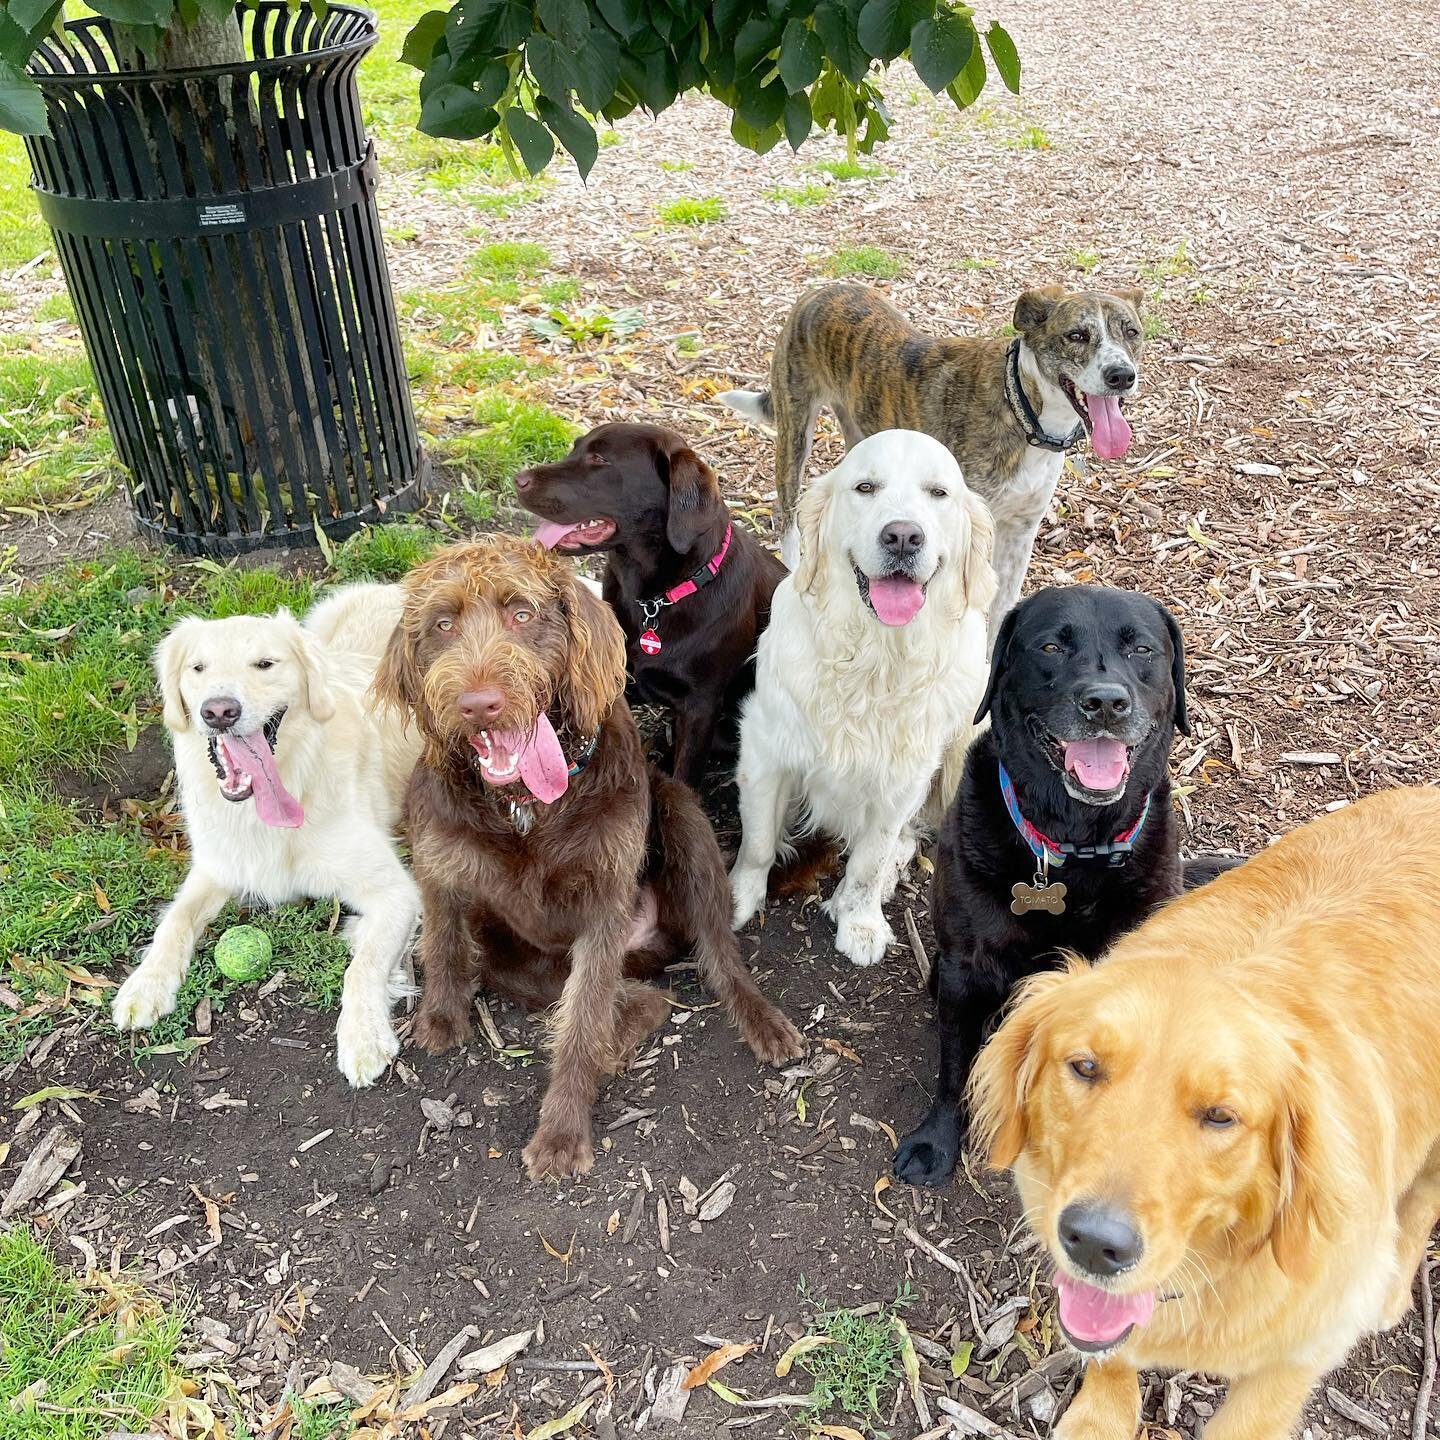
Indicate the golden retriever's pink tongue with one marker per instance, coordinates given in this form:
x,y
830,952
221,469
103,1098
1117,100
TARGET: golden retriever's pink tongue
x,y
274,804
1109,430
543,766
1096,1317
896,599
1097,764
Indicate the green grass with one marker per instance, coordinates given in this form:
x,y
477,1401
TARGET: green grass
x,y
56,307
508,435
686,211
1152,325
384,552
677,167
797,197
560,292
1084,260
53,441
1171,266
868,260
509,260
315,1420
849,170
1032,137
976,262
859,1367
88,1359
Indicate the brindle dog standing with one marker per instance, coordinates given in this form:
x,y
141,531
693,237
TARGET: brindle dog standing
x,y
553,865
1007,418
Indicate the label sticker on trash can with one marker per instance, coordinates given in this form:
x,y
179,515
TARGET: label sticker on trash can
x,y
222,214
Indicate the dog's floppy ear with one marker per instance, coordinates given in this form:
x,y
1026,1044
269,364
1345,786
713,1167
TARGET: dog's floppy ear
x,y
1006,1068
1134,297
998,658
1177,669
595,665
171,657
809,517
1309,1172
398,681
315,680
1033,308
694,493
978,572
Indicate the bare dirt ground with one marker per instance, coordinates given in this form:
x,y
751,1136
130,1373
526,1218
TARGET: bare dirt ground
x,y
1269,170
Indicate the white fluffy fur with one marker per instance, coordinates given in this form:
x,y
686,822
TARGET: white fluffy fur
x,y
851,720
344,761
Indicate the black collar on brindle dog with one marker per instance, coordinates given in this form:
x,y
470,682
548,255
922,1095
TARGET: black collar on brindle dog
x,y
1035,432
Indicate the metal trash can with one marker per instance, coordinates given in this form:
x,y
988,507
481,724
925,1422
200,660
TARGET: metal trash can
x,y
218,232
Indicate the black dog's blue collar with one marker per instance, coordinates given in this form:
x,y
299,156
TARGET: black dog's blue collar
x,y
1055,852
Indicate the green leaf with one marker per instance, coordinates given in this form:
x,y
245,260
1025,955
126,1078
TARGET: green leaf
x,y
531,139
625,17
760,141
835,26
960,1360
551,66
760,105
34,16
135,12
21,107
597,70
486,27
651,77
422,38
1005,55
15,41
970,81
797,119
456,112
940,47
885,25
217,9
574,132
757,37
567,20
801,56
53,1092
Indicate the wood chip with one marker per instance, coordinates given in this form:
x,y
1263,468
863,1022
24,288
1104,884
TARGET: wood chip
x,y
721,1199
498,1353
44,1166
439,1367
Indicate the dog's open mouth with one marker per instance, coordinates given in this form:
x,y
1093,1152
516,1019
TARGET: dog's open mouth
x,y
1095,770
1095,1321
894,600
1106,426
565,535
245,767
532,756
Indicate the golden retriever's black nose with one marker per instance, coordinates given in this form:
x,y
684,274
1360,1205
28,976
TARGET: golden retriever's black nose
x,y
220,712
480,707
1102,701
1100,1241
902,538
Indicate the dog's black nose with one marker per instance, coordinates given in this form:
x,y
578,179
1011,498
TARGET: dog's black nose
x,y
480,707
220,712
1100,1241
1118,377
902,538
1103,701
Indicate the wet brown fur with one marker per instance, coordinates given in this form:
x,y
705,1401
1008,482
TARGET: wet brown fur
x,y
549,916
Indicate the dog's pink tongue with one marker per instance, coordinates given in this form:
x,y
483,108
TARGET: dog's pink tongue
x,y
549,534
1097,764
1097,1317
274,804
896,599
543,766
1109,430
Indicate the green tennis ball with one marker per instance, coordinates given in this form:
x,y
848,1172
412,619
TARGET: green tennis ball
x,y
243,953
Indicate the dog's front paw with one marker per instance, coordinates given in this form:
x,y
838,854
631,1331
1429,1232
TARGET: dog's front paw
x,y
863,940
927,1156
771,1036
146,995
437,1031
557,1155
364,1045
747,891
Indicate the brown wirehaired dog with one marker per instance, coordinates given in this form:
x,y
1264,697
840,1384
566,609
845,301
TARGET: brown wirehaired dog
x,y
553,865
1228,1132
689,584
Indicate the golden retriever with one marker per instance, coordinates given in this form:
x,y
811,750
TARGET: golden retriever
x,y
1227,1133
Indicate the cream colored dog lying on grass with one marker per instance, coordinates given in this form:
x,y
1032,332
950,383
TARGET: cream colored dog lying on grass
x,y
291,784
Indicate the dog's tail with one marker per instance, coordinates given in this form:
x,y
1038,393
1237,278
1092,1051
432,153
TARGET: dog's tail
x,y
754,405
1204,868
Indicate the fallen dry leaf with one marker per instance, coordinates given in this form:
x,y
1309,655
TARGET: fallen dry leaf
x,y
840,1432
803,1346
212,1213
841,1049
883,1184
568,1421
715,1360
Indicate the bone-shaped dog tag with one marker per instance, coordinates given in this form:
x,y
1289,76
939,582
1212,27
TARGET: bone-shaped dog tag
x,y
1048,896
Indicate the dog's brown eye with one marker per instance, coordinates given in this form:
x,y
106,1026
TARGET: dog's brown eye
x,y
1080,337
594,459
940,494
1141,650
445,624
1217,1117
198,669
264,664
1050,648
1087,1068
865,487
1132,332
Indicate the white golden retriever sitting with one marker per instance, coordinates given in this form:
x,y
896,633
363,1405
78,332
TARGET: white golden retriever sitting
x,y
291,785
869,675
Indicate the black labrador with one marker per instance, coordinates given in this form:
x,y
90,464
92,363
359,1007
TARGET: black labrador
x,y
689,584
1061,836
